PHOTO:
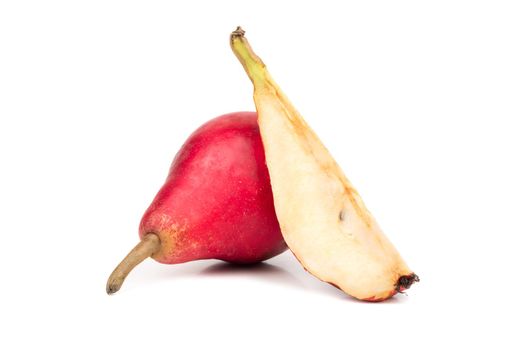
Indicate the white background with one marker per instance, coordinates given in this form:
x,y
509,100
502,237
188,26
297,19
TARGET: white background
x,y
417,101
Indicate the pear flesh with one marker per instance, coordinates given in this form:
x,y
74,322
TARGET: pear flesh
x,y
322,217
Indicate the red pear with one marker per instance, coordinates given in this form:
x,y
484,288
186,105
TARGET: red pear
x,y
216,202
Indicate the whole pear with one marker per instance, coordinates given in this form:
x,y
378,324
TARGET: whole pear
x,y
216,202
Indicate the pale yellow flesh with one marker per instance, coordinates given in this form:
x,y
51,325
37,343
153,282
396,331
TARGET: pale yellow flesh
x,y
323,219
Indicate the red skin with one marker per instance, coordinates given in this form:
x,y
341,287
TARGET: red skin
x,y
375,300
217,201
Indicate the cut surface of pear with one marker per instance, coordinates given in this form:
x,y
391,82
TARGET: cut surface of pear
x,y
322,217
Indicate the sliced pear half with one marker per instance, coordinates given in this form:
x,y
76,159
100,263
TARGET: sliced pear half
x,y
322,217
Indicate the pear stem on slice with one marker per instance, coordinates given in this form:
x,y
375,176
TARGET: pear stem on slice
x,y
253,65
149,245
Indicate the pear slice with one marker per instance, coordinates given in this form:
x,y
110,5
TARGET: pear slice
x,y
322,217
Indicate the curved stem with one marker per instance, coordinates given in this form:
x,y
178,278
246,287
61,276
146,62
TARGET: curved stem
x,y
149,245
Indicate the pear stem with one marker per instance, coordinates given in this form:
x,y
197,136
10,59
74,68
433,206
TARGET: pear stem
x,y
253,65
149,245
